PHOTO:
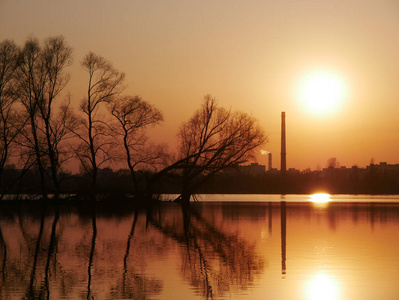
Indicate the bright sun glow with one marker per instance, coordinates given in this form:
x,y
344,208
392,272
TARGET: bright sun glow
x,y
320,198
322,287
322,91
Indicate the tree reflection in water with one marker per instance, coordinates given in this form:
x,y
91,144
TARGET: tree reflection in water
x,y
118,252
4,260
213,261
44,251
50,252
32,293
134,285
92,249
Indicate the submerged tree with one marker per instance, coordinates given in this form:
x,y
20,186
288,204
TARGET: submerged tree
x,y
133,116
213,140
95,133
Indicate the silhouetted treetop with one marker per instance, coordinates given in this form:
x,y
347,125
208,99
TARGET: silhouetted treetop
x,y
212,140
133,116
104,81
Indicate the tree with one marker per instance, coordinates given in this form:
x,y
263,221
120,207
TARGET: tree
x,y
40,81
332,162
29,89
56,55
213,140
8,129
133,116
95,133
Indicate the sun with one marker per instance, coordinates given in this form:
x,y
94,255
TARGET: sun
x,y
322,91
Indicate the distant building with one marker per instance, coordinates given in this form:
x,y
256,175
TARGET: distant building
x,y
293,171
253,169
384,168
273,171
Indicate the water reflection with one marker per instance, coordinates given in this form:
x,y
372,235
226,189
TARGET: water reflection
x,y
44,253
213,260
320,198
51,246
322,287
92,249
207,251
283,219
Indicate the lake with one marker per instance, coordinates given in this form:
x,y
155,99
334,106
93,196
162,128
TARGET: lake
x,y
223,247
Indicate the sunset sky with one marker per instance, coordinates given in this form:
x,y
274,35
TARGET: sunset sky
x,y
251,55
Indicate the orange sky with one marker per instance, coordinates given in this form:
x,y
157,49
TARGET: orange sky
x,y
250,55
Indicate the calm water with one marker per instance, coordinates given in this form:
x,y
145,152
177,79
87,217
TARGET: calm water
x,y
225,247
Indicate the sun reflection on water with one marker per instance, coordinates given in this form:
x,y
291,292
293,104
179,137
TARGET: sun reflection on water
x,y
322,287
320,200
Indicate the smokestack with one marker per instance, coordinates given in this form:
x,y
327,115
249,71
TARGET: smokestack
x,y
283,153
269,156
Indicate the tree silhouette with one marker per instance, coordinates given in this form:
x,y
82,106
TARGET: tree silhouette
x,y
213,140
56,56
34,117
29,90
95,134
133,116
39,81
332,162
8,128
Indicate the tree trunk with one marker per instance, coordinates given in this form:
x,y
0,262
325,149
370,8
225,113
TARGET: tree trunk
x,y
53,159
184,198
38,156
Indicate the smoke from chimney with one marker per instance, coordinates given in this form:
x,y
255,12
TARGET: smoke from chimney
x,y
264,152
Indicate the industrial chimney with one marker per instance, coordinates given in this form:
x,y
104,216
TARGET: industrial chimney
x,y
283,153
269,155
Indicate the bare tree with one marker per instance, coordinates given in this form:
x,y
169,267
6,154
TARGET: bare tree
x,y
56,56
332,162
8,129
133,116
211,141
40,81
95,133
29,90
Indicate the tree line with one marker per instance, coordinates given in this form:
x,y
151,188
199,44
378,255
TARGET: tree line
x,y
41,130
